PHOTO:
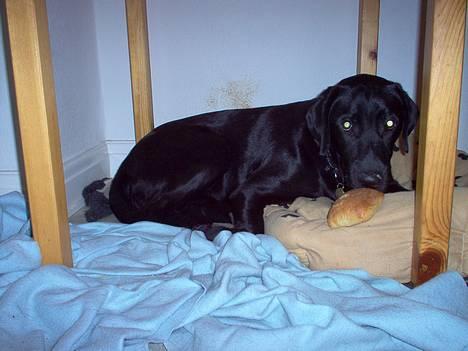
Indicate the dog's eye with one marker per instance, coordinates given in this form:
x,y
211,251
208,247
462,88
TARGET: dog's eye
x,y
389,124
347,125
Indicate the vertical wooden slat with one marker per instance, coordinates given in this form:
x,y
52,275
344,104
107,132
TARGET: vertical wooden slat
x,y
37,120
441,87
368,36
137,28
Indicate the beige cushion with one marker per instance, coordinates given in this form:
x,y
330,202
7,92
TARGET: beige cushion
x,y
404,166
382,246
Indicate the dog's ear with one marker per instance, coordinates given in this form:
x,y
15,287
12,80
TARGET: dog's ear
x,y
318,118
410,118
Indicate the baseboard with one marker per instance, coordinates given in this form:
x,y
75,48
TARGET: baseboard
x,y
79,170
97,163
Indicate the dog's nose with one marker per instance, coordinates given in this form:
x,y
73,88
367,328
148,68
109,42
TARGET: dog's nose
x,y
372,179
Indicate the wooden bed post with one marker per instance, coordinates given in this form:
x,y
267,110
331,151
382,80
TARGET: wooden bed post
x,y
440,105
37,115
368,36
137,28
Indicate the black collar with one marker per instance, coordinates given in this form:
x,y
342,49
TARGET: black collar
x,y
337,174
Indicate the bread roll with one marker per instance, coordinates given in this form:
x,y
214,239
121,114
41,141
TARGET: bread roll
x,y
354,207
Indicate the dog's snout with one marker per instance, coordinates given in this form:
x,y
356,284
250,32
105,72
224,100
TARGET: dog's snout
x,y
372,180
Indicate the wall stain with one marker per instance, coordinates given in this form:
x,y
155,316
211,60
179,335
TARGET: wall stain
x,y
233,94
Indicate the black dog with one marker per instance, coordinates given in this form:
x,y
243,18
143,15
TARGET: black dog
x,y
231,164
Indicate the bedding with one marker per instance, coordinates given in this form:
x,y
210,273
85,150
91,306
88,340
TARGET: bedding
x,y
383,245
148,282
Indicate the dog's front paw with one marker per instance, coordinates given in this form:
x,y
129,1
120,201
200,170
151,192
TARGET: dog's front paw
x,y
395,187
210,230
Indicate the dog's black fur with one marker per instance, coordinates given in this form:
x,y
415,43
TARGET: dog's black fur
x,y
215,166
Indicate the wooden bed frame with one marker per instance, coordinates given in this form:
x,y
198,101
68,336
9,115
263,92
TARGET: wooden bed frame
x,y
440,89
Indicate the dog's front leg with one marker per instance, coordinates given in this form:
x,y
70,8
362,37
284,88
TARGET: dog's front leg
x,y
248,216
247,209
395,187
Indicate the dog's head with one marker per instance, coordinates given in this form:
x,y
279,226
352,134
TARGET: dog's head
x,y
356,124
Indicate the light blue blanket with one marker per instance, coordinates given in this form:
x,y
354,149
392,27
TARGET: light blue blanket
x,y
147,282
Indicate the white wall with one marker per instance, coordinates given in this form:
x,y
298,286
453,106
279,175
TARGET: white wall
x,y
211,54
399,42
116,93
78,87
9,177
205,55
78,93
76,72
